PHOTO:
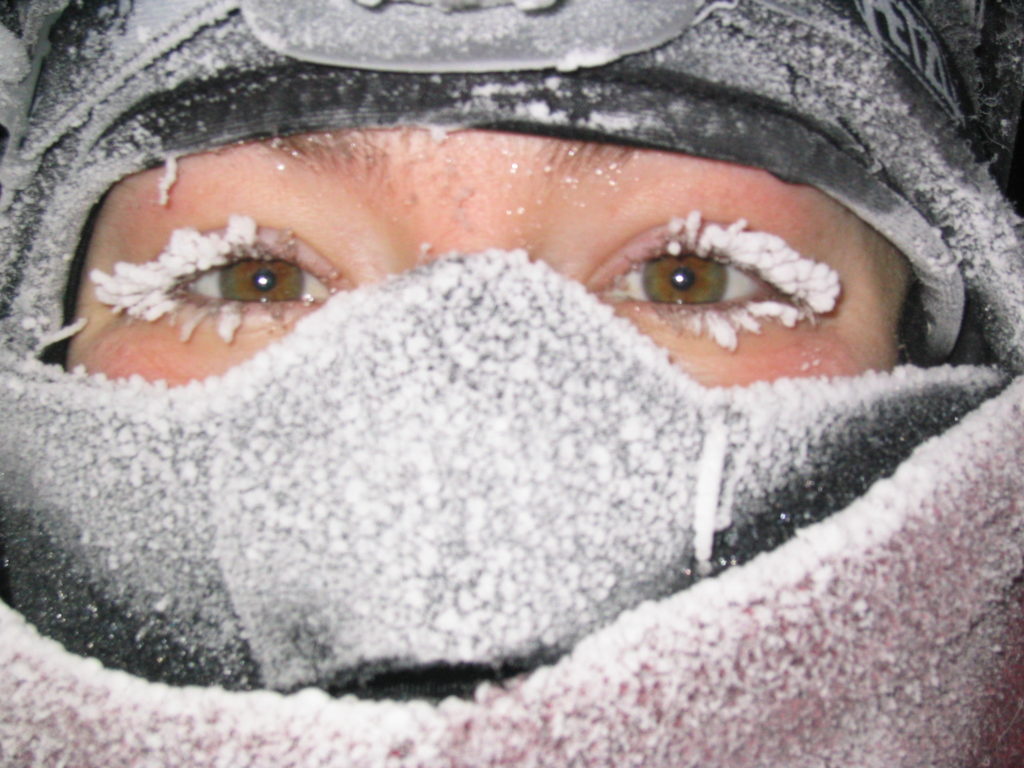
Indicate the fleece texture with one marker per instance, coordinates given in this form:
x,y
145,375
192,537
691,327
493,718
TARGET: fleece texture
x,y
878,637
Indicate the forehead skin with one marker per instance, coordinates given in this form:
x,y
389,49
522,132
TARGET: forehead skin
x,y
374,203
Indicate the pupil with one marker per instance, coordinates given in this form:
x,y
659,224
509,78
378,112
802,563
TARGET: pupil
x,y
264,280
682,278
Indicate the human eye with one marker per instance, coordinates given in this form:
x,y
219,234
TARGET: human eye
x,y
228,274
259,278
705,278
683,278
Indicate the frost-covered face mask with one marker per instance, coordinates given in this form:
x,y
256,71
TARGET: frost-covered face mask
x,y
453,476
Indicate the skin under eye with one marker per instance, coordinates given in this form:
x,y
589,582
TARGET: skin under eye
x,y
259,280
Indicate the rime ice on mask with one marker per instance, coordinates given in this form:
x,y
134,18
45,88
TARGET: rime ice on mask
x,y
471,495
507,459
66,332
705,504
146,291
167,180
752,629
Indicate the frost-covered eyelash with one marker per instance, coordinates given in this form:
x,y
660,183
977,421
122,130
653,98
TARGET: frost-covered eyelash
x,y
811,287
149,291
723,326
146,291
809,284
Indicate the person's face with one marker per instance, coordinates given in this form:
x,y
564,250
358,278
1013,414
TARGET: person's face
x,y
358,206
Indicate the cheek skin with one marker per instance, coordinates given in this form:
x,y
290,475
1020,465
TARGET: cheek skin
x,y
154,351
775,353
802,354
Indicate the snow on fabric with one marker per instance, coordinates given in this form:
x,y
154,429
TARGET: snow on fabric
x,y
464,35
476,462
86,93
814,652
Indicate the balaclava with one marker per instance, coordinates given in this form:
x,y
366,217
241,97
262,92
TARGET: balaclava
x,y
521,536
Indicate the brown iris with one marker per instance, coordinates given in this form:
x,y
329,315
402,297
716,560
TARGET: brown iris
x,y
685,279
261,280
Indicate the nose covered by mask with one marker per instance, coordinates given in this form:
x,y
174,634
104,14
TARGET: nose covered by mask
x,y
455,475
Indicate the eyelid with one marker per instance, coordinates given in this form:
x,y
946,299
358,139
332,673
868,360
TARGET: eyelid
x,y
640,249
145,291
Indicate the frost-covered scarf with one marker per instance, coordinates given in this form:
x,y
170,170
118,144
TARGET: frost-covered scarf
x,y
520,488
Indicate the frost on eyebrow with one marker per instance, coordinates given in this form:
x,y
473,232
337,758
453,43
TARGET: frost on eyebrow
x,y
811,287
146,291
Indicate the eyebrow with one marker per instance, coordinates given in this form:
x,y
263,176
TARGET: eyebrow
x,y
573,156
356,152
324,152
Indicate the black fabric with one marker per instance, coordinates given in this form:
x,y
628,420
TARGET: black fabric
x,y
5,575
862,449
431,683
9,16
57,353
87,619
1015,177
288,97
